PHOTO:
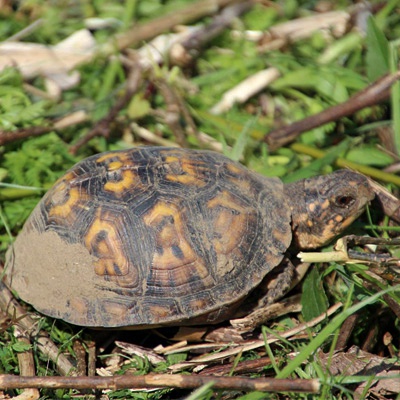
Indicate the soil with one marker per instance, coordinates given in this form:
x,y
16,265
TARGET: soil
x,y
41,276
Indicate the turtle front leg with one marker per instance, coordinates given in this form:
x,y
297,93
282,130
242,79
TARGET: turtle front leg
x,y
263,304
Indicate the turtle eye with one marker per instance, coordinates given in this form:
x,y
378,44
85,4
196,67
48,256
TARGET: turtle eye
x,y
344,201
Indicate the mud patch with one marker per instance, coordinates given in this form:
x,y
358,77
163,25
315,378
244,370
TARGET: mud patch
x,y
57,278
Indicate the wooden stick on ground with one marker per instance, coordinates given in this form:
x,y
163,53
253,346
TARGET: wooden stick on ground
x,y
26,323
103,126
145,31
371,95
64,122
162,380
186,50
26,365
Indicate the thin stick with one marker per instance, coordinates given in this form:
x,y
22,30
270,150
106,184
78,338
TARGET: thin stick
x,y
16,313
255,344
26,365
159,381
64,122
26,31
371,95
103,127
142,32
185,51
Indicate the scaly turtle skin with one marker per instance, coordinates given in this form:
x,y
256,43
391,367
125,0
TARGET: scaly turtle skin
x,y
158,236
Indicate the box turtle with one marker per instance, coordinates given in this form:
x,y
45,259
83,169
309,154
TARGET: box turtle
x,y
158,236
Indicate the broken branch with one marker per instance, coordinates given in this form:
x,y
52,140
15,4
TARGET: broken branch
x,y
143,32
29,326
102,127
64,122
373,94
162,380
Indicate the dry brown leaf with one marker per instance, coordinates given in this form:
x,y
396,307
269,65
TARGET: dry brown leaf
x,y
54,62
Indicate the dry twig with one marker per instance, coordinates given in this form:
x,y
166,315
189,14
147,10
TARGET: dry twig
x,y
371,95
172,115
64,122
279,35
163,380
346,330
102,127
243,367
254,344
55,63
150,137
179,119
183,52
385,374
143,32
246,89
29,326
26,366
390,204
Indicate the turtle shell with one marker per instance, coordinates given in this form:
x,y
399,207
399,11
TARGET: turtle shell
x,y
150,236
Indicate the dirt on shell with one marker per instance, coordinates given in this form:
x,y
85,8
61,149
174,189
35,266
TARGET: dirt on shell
x,y
51,274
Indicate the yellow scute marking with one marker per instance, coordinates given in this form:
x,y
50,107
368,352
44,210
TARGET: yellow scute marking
x,y
108,250
169,234
129,179
103,247
119,159
229,222
114,166
108,156
185,179
181,276
190,174
234,168
171,159
68,177
168,267
71,198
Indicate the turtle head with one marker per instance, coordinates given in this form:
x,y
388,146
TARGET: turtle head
x,y
324,206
